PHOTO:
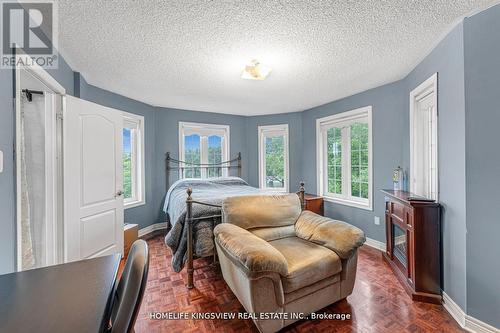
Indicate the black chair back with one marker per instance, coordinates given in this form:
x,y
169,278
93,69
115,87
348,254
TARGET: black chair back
x,y
130,289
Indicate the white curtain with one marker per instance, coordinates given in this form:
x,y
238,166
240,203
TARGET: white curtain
x,y
33,230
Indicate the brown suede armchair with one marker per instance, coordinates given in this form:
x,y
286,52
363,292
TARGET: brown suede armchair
x,y
279,259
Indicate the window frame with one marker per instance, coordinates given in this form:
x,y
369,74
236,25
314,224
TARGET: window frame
x,y
429,86
138,160
264,132
344,120
204,131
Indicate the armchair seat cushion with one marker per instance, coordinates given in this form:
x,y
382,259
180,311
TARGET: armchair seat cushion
x,y
307,262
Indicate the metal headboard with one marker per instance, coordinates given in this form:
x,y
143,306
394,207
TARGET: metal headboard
x,y
173,164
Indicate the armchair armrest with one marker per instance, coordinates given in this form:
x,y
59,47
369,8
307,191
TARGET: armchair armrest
x,y
249,251
340,237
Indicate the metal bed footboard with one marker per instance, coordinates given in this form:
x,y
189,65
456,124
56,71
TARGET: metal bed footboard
x,y
189,220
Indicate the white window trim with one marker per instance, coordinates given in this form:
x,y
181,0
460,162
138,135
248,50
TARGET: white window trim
x,y
428,86
204,131
140,178
344,117
272,130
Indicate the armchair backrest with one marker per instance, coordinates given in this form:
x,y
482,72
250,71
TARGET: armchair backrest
x,y
261,211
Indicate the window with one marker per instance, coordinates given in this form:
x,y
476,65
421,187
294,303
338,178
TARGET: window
x,y
133,160
273,157
344,146
423,139
203,144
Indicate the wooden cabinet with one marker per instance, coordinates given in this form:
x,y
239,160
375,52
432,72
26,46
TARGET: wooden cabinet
x,y
130,235
413,233
314,203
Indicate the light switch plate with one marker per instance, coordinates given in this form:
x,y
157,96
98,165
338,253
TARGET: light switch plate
x,y
376,220
1,161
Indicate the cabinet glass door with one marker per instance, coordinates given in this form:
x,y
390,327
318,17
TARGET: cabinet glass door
x,y
399,244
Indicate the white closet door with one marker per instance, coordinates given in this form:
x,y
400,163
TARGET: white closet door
x,y
93,180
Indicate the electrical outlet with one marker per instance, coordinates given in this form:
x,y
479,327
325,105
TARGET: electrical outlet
x,y
376,220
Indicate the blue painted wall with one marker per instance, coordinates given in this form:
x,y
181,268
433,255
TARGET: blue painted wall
x,y
391,144
482,95
295,133
64,75
447,60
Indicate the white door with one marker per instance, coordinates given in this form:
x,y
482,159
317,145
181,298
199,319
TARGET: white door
x,y
93,200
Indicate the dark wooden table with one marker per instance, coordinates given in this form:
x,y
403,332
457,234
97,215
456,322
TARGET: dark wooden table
x,y
73,297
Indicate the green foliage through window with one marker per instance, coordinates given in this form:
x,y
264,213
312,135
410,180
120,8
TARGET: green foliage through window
x,y
214,155
275,161
357,165
192,154
127,163
334,158
359,160
127,175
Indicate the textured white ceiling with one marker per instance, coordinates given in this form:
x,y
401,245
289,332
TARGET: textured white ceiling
x,y
189,54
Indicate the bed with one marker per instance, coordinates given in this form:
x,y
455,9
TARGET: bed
x,y
193,209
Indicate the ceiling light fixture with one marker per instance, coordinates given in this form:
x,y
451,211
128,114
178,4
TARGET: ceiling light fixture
x,y
255,71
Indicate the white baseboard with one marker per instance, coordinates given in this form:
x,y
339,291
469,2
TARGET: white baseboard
x,y
477,326
454,310
375,244
467,322
150,228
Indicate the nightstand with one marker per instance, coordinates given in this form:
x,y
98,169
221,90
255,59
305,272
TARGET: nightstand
x,y
314,203
130,235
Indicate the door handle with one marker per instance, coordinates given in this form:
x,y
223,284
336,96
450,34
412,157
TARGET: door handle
x,y
119,193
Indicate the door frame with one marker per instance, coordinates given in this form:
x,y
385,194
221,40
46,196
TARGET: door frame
x,y
40,74
428,86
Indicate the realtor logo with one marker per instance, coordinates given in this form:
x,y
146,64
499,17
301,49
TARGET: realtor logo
x,y
32,27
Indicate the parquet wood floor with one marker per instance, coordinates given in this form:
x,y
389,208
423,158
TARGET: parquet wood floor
x,y
378,303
